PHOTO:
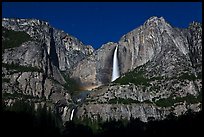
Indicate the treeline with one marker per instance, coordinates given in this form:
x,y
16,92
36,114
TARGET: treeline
x,y
12,39
20,68
22,119
185,125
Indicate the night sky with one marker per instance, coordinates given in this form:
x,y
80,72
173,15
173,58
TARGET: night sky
x,y
96,23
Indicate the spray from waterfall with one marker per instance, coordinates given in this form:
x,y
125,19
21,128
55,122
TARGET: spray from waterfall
x,y
72,114
115,73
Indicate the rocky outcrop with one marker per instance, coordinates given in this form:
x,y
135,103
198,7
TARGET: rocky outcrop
x,y
158,74
36,69
195,46
121,111
97,68
155,101
155,41
144,112
160,68
64,50
158,89
31,69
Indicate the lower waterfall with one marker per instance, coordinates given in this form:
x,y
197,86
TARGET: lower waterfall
x,y
72,114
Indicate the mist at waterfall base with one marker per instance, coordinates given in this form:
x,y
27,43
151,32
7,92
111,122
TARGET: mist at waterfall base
x,y
115,73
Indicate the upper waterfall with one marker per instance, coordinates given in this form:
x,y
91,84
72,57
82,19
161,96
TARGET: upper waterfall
x,y
115,73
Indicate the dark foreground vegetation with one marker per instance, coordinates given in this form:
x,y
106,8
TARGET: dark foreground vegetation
x,y
185,125
24,121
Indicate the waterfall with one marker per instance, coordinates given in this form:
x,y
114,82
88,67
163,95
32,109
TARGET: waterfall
x,y
115,73
72,114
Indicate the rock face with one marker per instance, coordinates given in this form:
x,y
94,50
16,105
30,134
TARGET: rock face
x,y
161,73
147,41
37,67
138,101
64,50
121,111
194,38
154,40
160,68
97,68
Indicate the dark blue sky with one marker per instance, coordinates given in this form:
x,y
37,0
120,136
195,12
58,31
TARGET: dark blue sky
x,y
97,23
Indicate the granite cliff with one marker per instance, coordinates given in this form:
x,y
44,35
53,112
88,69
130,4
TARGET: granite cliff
x,y
159,75
37,59
160,68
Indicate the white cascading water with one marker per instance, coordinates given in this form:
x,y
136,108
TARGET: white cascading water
x,y
115,73
72,114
